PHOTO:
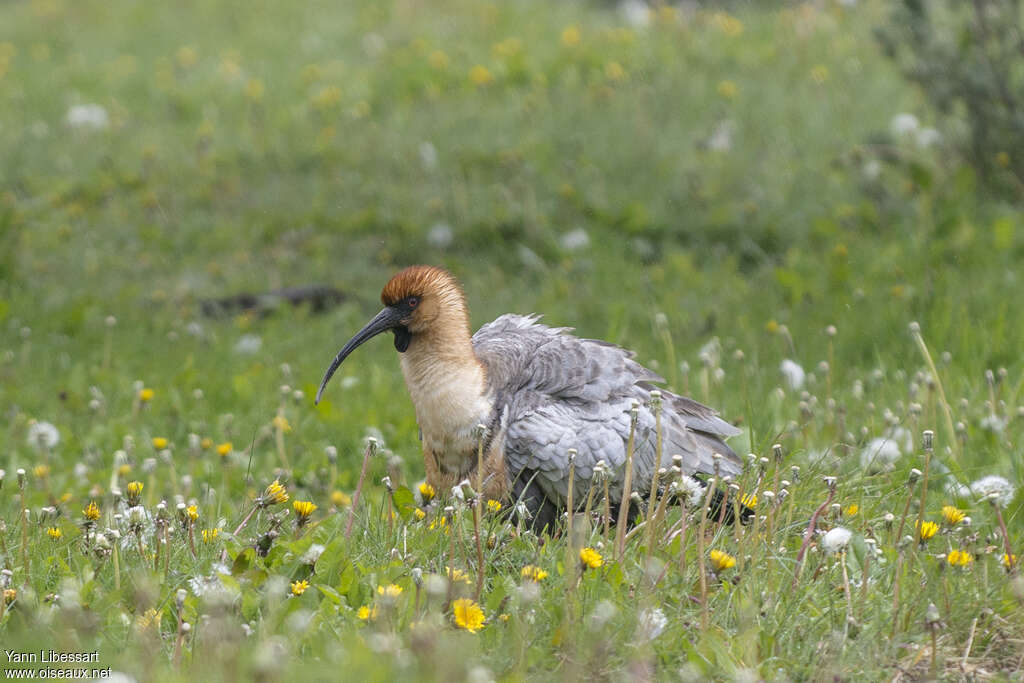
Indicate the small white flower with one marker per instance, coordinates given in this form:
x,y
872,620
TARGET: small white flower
x,y
574,240
651,624
903,125
793,374
994,484
836,539
88,116
43,435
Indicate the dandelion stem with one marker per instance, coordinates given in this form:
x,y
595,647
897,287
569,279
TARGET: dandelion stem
x,y
809,533
1011,566
371,448
701,530
915,330
627,485
652,500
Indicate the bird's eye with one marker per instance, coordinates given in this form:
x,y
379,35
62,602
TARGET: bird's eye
x,y
412,301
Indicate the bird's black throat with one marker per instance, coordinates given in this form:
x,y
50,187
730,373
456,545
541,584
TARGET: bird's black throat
x,y
402,338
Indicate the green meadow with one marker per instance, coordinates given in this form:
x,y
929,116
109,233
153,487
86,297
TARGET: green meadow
x,y
749,195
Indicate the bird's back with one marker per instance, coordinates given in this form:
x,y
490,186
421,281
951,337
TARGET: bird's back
x,y
554,391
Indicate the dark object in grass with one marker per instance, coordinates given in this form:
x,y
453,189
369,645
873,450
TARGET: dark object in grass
x,y
319,298
545,515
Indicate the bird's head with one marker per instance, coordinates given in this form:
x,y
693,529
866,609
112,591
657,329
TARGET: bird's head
x,y
417,301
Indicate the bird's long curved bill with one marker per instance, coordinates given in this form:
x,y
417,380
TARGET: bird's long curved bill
x,y
382,322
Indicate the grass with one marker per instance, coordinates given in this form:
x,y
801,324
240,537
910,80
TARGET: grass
x,y
252,146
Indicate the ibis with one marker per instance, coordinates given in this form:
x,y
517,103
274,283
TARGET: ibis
x,y
538,392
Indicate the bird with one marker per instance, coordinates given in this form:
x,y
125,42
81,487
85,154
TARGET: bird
x,y
527,393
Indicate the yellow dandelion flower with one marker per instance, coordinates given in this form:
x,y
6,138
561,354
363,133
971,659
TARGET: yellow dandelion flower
x,y
206,443
590,558
749,500
159,443
852,509
91,511
959,558
1009,560
439,523
146,395
210,534
41,471
340,499
419,514
504,618
328,96
304,508
187,56
510,47
952,515
392,591
480,76
427,492
193,512
281,422
55,533
254,89
457,575
124,470
468,615
722,560
224,448
613,71
147,619
275,493
299,587
727,24
533,573
438,60
772,326
367,613
9,595
493,506
728,89
134,489
571,36
1002,159
926,530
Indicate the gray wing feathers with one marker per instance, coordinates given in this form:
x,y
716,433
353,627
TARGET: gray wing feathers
x,y
559,392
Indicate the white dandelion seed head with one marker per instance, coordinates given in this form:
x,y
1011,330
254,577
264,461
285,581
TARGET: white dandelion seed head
x,y
87,116
574,240
636,13
998,488
904,125
928,137
880,454
651,624
691,490
42,435
313,554
793,375
248,344
836,539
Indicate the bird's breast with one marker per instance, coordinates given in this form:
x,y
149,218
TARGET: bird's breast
x,y
450,402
